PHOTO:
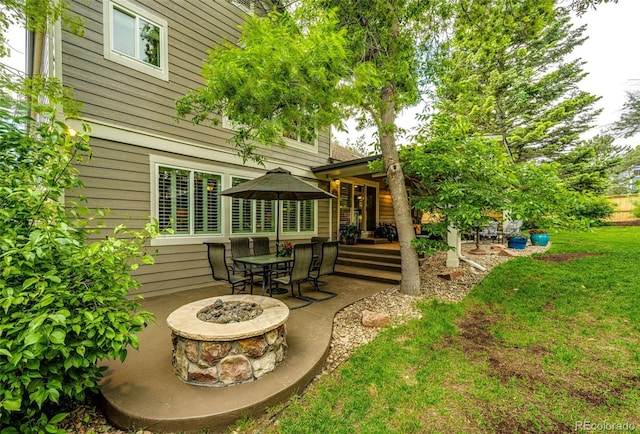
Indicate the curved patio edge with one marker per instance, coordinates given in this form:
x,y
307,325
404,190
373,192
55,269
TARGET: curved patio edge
x,y
144,393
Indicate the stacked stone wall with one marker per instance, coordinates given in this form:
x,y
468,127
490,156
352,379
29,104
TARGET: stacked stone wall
x,y
220,364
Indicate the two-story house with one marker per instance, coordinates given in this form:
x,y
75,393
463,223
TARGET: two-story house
x,y
135,59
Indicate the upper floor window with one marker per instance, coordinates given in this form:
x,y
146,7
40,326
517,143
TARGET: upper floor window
x,y
245,5
135,38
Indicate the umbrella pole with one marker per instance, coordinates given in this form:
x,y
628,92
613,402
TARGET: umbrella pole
x,y
278,221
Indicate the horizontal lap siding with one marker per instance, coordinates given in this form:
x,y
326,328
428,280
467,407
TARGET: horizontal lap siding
x,y
115,94
117,177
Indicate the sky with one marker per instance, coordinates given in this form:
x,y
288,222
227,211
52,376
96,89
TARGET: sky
x,y
612,62
610,53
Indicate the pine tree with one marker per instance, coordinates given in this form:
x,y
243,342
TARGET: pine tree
x,y
506,70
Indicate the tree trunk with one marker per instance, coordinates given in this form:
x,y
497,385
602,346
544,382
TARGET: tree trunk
x,y
401,210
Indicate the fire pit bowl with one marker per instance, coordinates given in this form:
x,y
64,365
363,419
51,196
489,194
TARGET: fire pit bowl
x,y
224,354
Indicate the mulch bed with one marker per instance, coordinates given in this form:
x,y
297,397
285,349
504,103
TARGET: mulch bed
x,y
629,223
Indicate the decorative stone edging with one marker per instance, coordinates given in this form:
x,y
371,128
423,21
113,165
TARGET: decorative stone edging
x,y
218,355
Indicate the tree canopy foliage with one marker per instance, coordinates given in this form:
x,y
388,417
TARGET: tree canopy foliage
x,y
325,60
506,69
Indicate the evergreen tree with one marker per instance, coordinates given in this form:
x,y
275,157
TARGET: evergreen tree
x,y
590,165
506,70
629,123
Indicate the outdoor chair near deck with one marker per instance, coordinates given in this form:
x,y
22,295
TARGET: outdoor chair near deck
x,y
221,271
317,249
511,227
261,246
490,231
240,249
298,272
326,265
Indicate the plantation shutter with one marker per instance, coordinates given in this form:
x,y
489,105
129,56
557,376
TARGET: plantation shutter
x,y
265,216
289,216
241,212
307,216
173,200
206,201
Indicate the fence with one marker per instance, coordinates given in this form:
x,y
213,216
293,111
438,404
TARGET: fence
x,y
624,207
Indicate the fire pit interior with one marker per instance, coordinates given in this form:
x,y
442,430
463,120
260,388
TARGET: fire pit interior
x,y
227,340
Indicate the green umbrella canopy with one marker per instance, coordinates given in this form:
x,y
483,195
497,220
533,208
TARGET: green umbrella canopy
x,y
277,184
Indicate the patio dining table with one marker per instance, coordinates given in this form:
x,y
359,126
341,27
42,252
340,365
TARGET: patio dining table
x,y
266,262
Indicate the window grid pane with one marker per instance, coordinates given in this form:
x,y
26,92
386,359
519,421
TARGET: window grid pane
x,y
173,199
207,203
241,212
149,48
307,216
290,216
124,29
264,216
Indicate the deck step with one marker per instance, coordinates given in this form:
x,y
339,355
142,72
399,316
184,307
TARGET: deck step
x,y
370,240
373,275
369,256
368,265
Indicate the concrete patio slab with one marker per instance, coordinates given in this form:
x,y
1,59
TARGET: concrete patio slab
x,y
144,393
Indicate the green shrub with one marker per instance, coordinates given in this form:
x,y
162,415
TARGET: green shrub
x,y
592,208
63,300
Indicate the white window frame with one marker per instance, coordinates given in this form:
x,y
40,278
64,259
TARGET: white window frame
x,y
239,4
226,208
298,231
161,72
290,143
156,162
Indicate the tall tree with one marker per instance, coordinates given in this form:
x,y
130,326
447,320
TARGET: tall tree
x,y
506,69
629,123
361,56
589,166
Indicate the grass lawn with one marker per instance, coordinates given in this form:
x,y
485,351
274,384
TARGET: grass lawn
x,y
540,346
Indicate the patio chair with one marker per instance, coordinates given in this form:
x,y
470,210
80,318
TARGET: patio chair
x,y
297,273
261,246
490,231
240,249
221,271
511,227
326,265
317,249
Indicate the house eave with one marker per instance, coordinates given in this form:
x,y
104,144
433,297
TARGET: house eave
x,y
348,168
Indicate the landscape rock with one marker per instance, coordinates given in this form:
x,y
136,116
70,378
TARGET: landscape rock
x,y
374,319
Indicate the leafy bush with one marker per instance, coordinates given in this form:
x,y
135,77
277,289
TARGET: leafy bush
x,y
593,209
63,300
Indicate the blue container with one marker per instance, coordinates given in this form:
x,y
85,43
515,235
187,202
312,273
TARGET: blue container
x,y
539,239
517,243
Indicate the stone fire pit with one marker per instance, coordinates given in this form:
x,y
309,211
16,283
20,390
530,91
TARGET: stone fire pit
x,y
213,354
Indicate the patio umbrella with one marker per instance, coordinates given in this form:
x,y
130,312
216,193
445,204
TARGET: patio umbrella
x,y
277,184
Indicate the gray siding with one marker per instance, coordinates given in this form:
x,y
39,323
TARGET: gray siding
x,y
115,94
118,177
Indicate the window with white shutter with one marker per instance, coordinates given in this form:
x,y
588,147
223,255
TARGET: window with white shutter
x,y
241,212
188,202
298,216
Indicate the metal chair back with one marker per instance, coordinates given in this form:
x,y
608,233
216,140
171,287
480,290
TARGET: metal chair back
x,y
302,258
218,261
261,246
240,247
329,258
